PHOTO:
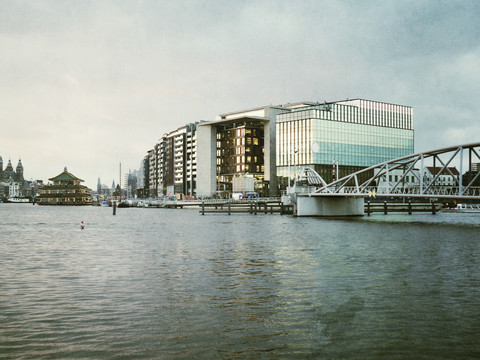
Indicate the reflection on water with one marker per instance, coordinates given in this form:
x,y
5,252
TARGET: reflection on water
x,y
154,283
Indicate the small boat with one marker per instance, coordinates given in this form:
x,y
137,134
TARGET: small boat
x,y
17,199
464,208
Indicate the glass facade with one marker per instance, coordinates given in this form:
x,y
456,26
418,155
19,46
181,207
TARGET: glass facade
x,y
348,136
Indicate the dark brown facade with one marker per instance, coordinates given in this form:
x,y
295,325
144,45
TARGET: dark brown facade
x,y
240,150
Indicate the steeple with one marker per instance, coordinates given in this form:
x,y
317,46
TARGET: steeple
x,y
8,173
19,171
9,166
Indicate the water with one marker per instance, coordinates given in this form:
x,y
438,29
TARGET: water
x,y
172,284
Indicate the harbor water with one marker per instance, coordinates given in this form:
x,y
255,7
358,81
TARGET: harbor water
x,y
173,284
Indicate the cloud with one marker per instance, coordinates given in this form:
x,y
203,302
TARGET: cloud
x,y
70,80
84,84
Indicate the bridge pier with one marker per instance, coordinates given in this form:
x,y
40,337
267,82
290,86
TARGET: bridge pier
x,y
330,206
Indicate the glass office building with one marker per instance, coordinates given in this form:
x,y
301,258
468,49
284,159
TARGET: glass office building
x,y
341,137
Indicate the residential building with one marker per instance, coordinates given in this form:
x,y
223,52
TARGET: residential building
x,y
448,177
152,173
173,163
387,181
223,152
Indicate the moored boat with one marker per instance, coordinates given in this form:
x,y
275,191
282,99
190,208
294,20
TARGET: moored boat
x,y
464,208
18,199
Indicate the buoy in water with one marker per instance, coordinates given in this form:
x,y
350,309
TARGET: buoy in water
x,y
82,226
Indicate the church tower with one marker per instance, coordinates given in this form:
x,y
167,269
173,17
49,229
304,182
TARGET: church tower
x,y
19,171
9,173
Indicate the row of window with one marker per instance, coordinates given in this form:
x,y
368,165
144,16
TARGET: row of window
x,y
238,133
241,168
318,142
360,112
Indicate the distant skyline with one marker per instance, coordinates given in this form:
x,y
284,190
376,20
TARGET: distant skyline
x,y
91,84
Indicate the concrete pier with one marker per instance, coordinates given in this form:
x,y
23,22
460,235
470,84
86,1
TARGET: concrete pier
x,y
330,206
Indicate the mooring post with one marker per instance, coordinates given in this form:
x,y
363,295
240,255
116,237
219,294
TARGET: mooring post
x,y
409,207
229,209
203,207
385,210
255,207
368,207
114,208
433,209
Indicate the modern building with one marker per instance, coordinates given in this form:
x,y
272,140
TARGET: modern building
x,y
142,178
224,151
172,163
130,183
66,189
152,171
335,138
339,138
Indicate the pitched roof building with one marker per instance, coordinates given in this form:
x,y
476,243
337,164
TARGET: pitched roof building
x,y
65,190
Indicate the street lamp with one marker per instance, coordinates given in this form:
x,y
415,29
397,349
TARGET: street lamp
x,y
295,174
335,169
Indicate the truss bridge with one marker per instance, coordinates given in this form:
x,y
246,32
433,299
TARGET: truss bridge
x,y
448,173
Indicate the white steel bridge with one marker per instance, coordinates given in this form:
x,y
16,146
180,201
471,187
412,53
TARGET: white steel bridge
x,y
438,174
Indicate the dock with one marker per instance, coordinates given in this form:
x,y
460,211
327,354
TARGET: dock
x,y
409,207
251,207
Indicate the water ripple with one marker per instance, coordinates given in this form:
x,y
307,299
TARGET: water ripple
x,y
154,283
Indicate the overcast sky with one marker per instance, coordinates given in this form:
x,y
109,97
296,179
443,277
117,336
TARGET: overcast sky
x,y
90,84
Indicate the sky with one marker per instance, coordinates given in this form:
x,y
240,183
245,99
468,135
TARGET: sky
x,y
88,85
